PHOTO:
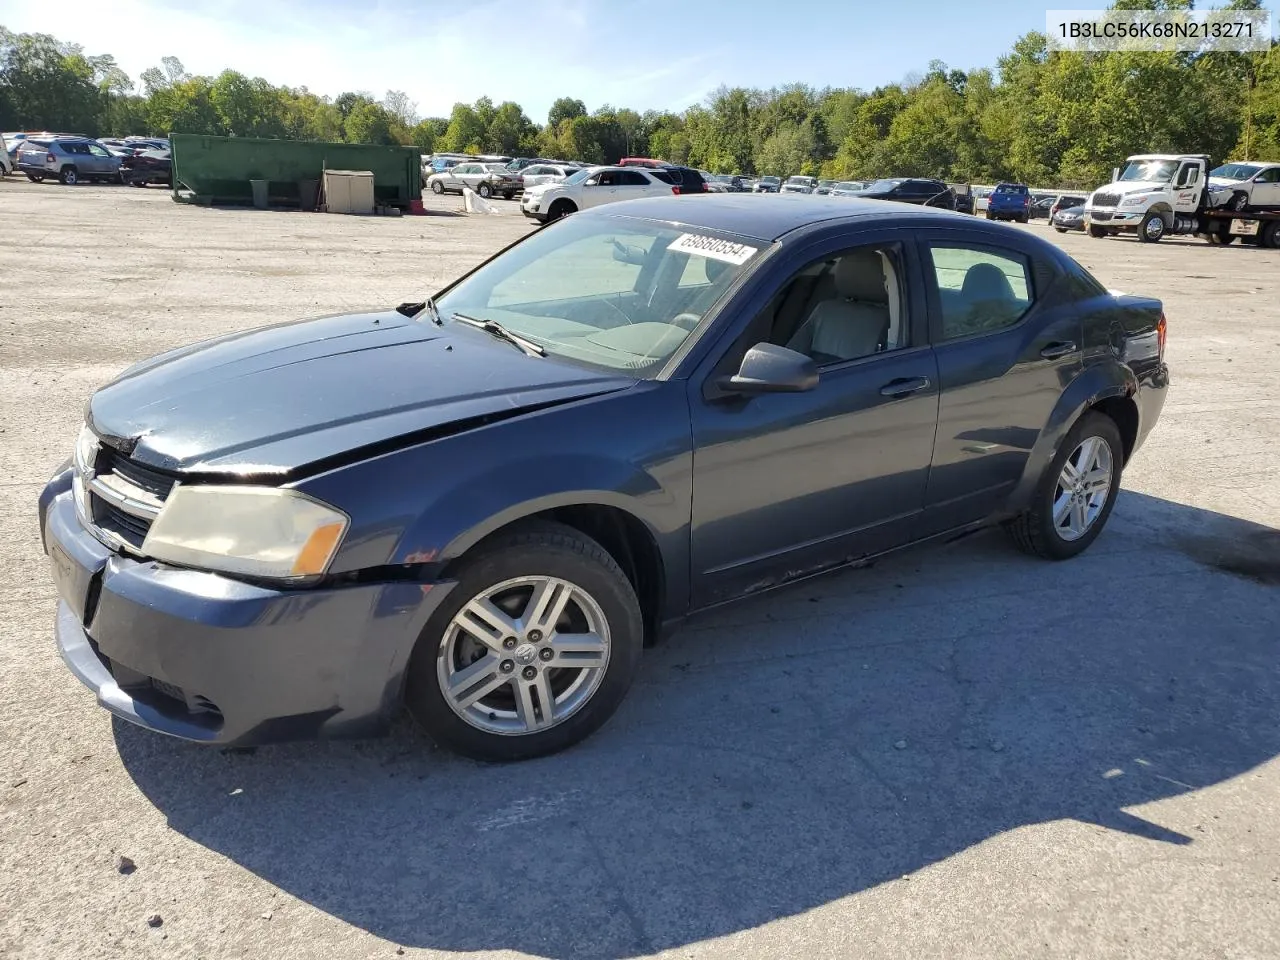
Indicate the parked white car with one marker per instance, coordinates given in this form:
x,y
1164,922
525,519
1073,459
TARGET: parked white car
x,y
6,165
486,179
1245,185
799,185
535,175
591,188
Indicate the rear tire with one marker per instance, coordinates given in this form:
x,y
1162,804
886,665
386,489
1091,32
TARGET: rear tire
x,y
1061,229
1040,530
138,183
69,177
437,187
1271,235
34,177
601,605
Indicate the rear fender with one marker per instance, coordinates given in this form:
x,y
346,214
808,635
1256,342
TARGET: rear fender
x,y
1096,382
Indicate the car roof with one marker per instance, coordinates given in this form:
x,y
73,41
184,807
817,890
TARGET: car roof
x,y
771,219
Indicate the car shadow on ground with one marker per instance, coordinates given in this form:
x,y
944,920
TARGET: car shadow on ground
x,y
787,752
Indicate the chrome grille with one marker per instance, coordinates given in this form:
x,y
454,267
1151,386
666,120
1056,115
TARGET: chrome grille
x,y
122,498
1106,199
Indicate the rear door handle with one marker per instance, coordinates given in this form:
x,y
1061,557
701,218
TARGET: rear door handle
x,y
1055,350
904,386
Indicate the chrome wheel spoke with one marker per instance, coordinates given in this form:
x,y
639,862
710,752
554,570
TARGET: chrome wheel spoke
x,y
476,681
546,604
1097,480
1061,507
1078,520
1070,475
484,621
578,650
535,705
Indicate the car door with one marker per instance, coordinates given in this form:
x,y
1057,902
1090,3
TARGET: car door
x,y
1006,349
789,483
1266,188
602,188
103,164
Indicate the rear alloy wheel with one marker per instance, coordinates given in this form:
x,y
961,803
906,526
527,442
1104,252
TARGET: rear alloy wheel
x,y
69,176
1076,494
533,650
1151,230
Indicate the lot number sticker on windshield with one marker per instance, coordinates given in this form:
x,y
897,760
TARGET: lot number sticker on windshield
x,y
713,247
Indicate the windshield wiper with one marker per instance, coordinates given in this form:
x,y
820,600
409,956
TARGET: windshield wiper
x,y
502,333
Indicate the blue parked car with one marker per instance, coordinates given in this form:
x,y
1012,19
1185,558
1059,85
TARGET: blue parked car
x,y
1010,201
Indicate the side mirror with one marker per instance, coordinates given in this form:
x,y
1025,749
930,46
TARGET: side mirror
x,y
628,254
769,368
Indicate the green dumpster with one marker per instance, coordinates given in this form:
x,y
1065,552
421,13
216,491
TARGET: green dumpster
x,y
220,169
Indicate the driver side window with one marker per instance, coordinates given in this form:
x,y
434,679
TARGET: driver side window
x,y
845,306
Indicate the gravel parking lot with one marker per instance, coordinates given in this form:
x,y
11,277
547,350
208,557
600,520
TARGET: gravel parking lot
x,y
960,752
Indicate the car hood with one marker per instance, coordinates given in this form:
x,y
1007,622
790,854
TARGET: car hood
x,y
277,401
1126,187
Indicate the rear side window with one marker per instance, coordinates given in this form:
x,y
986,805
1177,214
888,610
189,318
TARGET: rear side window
x,y
630,178
663,175
979,289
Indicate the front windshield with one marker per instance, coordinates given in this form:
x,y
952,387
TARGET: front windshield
x,y
769,180
607,292
884,184
1235,171
849,185
1154,171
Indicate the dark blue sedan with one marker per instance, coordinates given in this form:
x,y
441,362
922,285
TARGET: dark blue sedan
x,y
484,506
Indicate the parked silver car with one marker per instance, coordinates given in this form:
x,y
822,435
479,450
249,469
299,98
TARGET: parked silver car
x,y
68,159
537,174
485,179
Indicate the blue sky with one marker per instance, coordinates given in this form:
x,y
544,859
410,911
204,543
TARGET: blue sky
x,y
625,54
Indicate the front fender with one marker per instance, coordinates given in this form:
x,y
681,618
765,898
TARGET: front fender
x,y
1104,378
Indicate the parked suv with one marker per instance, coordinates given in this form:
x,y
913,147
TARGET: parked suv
x,y
918,190
684,179
69,159
1010,201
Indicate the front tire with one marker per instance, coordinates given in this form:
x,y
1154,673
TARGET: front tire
x,y
1097,232
1151,230
1239,202
485,191
533,650
560,209
1075,496
437,187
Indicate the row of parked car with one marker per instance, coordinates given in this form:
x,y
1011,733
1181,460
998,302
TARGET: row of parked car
x,y
73,158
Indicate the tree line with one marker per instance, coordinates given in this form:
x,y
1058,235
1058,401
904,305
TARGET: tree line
x,y
1040,116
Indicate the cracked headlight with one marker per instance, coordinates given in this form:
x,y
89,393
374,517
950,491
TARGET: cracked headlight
x,y
247,531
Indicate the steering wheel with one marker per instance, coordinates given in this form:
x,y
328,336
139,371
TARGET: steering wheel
x,y
686,321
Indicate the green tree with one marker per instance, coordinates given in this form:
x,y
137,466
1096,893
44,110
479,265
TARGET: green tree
x,y
466,132
369,123
566,108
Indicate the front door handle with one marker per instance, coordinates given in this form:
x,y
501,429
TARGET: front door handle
x,y
1055,350
904,386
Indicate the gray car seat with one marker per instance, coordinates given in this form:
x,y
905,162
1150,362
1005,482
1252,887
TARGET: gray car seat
x,y
853,322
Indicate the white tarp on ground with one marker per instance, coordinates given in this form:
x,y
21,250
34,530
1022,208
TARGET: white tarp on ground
x,y
474,203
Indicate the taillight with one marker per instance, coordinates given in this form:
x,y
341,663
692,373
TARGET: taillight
x,y
51,158
1161,332
676,191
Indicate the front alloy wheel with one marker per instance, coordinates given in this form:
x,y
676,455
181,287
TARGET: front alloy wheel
x,y
523,655
1152,228
533,649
